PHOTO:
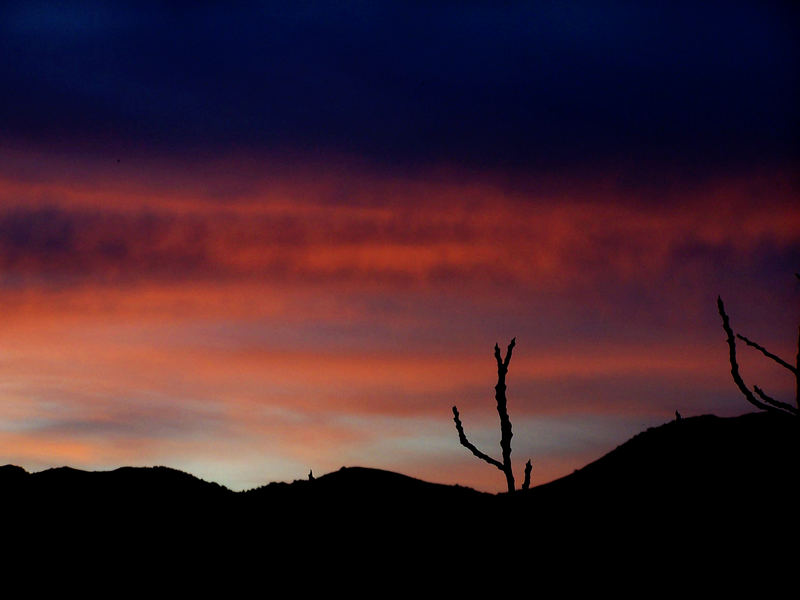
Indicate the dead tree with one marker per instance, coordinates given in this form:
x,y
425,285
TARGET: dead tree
x,y
763,401
505,424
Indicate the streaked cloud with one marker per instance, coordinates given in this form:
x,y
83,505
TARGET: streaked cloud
x,y
290,332
248,241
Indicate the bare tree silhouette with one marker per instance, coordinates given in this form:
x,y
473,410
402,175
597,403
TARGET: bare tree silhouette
x,y
505,424
764,402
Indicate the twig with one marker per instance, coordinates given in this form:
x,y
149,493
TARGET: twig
x,y
527,482
767,353
462,437
737,378
769,403
776,403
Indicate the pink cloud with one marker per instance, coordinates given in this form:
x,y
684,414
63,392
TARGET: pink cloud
x,y
278,314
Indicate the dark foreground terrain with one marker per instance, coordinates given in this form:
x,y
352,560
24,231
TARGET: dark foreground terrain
x,y
702,496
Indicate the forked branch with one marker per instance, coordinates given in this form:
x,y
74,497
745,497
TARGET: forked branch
x,y
505,424
765,402
776,403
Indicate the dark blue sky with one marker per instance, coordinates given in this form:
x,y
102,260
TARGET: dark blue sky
x,y
524,85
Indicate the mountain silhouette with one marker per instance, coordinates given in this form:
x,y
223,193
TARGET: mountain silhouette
x,y
703,491
683,465
691,464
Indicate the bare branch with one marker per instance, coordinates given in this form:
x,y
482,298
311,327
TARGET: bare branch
x,y
504,362
471,447
776,403
527,482
509,351
767,353
502,410
737,378
505,423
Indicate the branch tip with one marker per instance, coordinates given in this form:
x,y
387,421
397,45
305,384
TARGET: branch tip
x,y
527,481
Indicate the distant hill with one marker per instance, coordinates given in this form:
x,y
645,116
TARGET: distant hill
x,y
695,462
711,487
364,485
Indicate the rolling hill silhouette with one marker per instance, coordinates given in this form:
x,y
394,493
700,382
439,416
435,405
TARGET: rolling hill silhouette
x,y
707,458
704,462
706,489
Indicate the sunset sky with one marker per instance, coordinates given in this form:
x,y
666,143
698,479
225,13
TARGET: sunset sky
x,y
251,239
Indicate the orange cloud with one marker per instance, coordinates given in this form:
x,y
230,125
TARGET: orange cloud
x,y
285,316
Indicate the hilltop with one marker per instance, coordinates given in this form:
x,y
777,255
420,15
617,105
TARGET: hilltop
x,y
695,462
708,488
